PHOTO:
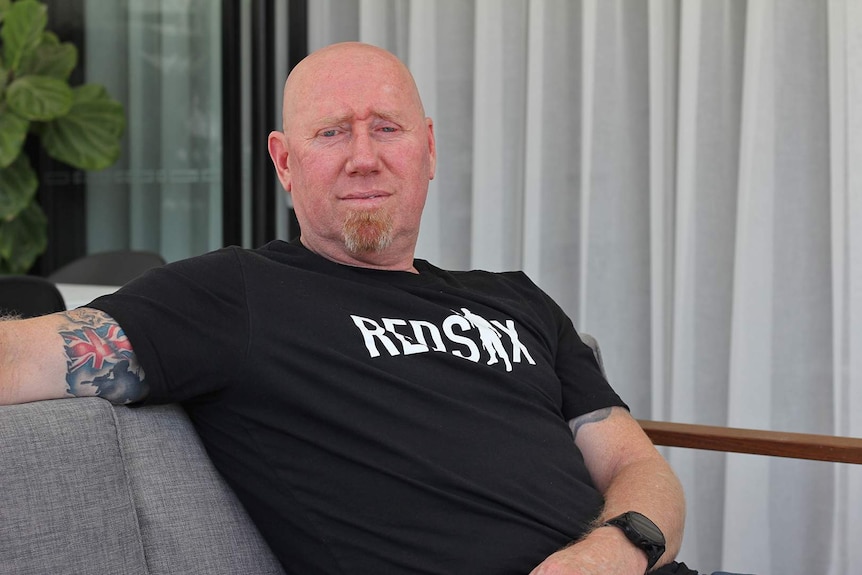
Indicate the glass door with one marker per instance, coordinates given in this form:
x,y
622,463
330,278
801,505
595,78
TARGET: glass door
x,y
200,81
163,61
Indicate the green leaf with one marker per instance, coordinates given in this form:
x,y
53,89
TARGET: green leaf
x,y
54,60
22,30
40,98
23,239
18,185
49,38
88,137
4,7
13,132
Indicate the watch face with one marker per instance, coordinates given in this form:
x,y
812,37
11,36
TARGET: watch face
x,y
643,533
645,527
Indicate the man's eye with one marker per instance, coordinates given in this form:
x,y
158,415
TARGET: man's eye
x,y
389,129
328,133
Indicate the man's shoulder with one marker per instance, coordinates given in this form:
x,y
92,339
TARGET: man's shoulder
x,y
480,277
233,255
512,285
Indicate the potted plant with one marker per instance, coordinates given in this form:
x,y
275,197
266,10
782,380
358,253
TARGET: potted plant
x,y
80,126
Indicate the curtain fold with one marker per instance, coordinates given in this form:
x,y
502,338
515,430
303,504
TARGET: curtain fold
x,y
845,143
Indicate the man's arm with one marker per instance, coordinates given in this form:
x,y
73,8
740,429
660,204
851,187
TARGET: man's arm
x,y
77,353
633,476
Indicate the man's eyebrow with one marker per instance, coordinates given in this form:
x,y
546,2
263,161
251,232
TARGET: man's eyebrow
x,y
390,116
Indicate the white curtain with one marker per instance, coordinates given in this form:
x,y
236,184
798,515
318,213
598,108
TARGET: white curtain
x,y
686,179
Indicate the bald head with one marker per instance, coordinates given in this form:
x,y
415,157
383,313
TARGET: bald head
x,y
356,155
351,66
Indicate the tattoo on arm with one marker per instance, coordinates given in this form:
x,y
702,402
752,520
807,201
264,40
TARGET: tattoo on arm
x,y
592,417
100,359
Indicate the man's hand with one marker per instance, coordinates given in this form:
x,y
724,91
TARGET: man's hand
x,y
605,551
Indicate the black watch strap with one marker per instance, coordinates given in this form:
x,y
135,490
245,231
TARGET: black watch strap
x,y
642,532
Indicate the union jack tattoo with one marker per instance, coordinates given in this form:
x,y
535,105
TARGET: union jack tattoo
x,y
100,358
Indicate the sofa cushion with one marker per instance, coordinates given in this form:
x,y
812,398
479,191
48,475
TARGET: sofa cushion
x,y
65,505
87,488
191,522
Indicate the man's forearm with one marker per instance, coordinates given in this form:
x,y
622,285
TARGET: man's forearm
x,y
77,353
645,485
650,487
27,361
631,474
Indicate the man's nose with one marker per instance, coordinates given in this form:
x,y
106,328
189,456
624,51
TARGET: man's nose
x,y
364,157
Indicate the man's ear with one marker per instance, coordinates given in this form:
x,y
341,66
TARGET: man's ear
x,y
277,144
432,148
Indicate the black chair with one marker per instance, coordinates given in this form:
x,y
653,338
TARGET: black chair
x,y
107,268
29,296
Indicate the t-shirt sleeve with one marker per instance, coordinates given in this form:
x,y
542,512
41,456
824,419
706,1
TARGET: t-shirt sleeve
x,y
187,323
584,386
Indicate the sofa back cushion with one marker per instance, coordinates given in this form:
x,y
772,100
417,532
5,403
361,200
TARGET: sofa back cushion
x,y
89,488
190,520
65,505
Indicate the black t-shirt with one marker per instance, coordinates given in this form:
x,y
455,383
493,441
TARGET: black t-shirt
x,y
376,421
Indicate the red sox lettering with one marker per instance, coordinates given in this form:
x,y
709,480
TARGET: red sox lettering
x,y
463,334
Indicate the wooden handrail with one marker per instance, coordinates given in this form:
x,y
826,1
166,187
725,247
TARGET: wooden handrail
x,y
737,440
758,442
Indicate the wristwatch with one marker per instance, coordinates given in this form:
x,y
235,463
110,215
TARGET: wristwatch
x,y
642,532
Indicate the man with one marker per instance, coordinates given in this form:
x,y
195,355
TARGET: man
x,y
350,394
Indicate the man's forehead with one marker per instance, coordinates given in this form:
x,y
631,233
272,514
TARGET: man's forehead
x,y
337,86
349,73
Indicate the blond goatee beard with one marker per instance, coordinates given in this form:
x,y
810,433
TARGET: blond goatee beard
x,y
367,231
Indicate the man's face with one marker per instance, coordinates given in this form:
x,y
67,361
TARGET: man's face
x,y
359,156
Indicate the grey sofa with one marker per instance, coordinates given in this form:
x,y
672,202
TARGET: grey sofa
x,y
90,488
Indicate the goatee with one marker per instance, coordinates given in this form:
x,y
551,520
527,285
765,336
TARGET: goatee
x,y
367,231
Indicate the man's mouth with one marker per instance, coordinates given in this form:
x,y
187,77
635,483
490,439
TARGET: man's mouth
x,y
365,198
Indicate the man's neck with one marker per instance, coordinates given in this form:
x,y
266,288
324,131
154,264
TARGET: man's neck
x,y
388,259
